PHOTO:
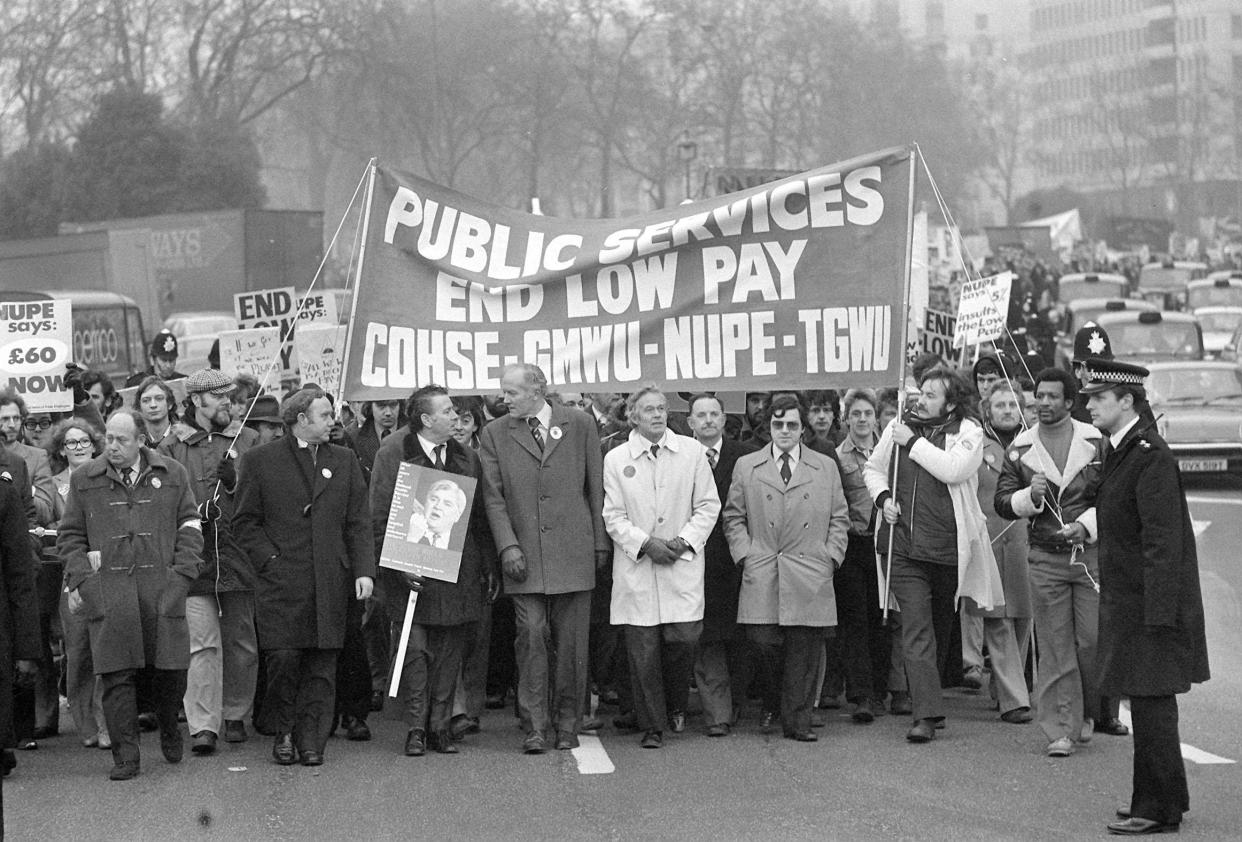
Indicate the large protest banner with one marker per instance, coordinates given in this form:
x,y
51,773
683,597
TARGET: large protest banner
x,y
38,342
799,283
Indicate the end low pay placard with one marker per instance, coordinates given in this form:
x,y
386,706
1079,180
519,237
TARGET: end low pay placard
x,y
37,344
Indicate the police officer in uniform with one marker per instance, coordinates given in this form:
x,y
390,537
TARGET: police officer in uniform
x,y
162,359
1152,639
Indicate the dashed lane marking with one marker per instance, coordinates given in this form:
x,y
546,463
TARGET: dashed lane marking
x,y
591,756
1189,752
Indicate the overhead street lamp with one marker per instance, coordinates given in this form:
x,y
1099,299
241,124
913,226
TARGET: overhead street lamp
x,y
687,151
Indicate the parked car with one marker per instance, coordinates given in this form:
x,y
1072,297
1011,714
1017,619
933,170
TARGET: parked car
x,y
196,330
1150,336
1219,324
1220,289
1199,411
1082,310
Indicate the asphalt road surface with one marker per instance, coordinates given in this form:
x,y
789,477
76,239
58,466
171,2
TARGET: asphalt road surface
x,y
980,779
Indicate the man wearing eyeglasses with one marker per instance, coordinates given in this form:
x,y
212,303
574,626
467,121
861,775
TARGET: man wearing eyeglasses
x,y
787,523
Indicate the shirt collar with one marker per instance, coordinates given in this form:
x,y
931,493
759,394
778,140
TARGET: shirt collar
x,y
713,445
429,447
545,416
848,445
303,444
795,453
1116,437
640,444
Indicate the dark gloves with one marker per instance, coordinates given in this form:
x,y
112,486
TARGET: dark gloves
x,y
73,380
209,510
226,471
414,581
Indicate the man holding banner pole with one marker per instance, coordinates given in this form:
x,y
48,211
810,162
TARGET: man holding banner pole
x,y
544,492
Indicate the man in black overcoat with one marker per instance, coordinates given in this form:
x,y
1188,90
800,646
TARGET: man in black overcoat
x,y
719,665
303,515
1152,639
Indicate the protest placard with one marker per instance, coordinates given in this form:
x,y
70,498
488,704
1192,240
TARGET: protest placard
x,y
982,309
251,352
427,522
936,336
795,283
320,354
38,343
284,309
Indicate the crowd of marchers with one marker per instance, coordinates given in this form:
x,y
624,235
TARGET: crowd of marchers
x,y
216,563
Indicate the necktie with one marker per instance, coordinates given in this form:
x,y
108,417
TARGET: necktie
x,y
1108,450
711,457
439,460
314,453
129,477
786,471
535,432
655,451
384,434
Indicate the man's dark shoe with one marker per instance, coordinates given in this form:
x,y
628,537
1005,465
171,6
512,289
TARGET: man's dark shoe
x,y
312,758
720,729
863,714
203,743
42,732
801,736
566,741
235,731
829,702
148,721
626,722
1112,726
900,704
355,729
534,743
652,739
172,746
415,743
1135,826
461,725
283,751
441,742
1017,716
377,701
123,772
677,721
924,731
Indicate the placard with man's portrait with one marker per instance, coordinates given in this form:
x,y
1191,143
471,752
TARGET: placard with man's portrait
x,y
427,522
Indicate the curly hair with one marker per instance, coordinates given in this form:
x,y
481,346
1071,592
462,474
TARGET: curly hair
x,y
57,443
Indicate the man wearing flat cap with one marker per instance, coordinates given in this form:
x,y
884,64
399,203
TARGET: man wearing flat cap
x,y
224,653
162,356
1152,640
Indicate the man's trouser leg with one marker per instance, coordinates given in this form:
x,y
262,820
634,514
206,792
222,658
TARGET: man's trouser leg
x,y
1007,663
766,657
912,585
678,641
447,649
854,616
642,646
1160,790
240,648
205,677
530,651
316,695
120,704
353,674
569,616
799,655
715,682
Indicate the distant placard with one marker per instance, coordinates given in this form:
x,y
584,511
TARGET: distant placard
x,y
983,309
38,342
252,352
321,355
936,336
283,309
427,522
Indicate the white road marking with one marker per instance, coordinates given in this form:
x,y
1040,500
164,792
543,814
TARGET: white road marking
x,y
591,757
1189,752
